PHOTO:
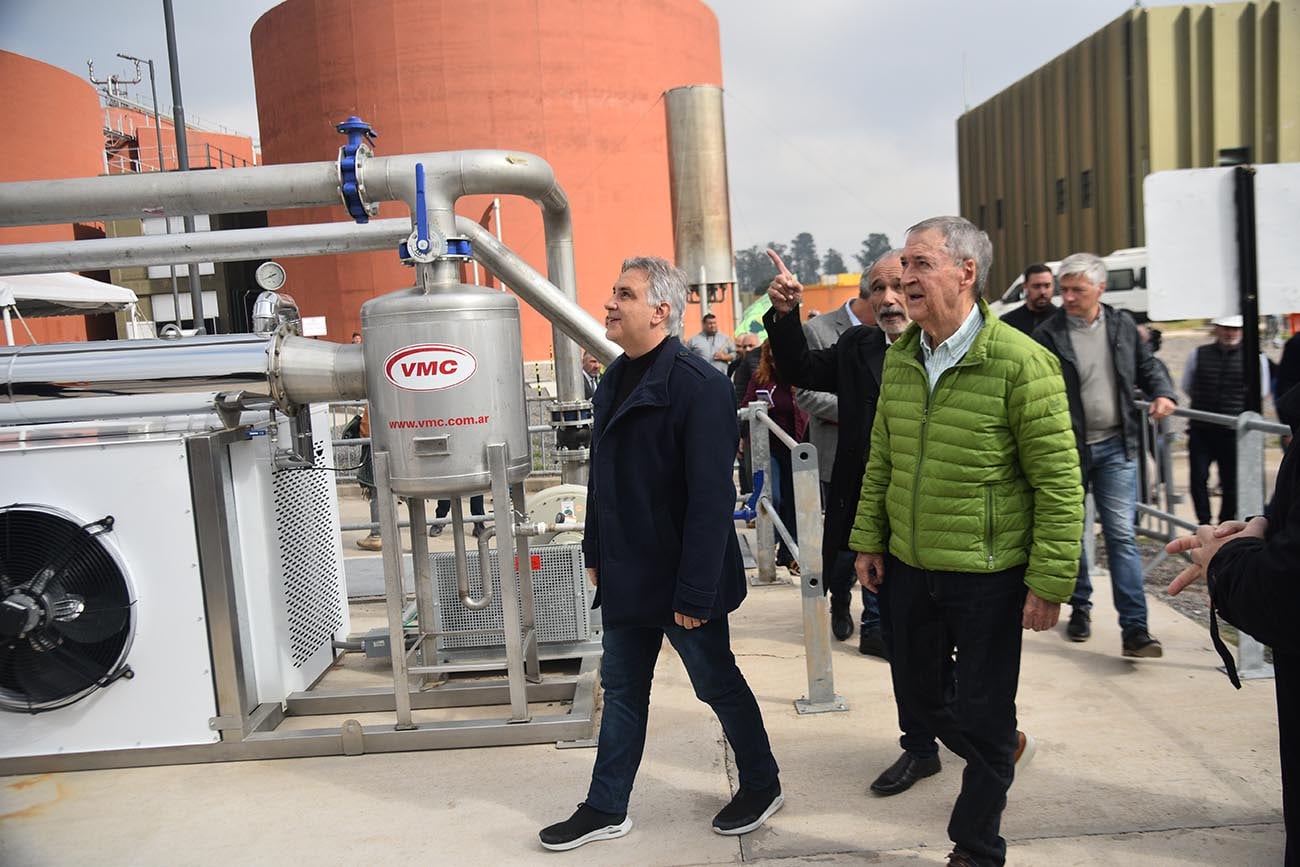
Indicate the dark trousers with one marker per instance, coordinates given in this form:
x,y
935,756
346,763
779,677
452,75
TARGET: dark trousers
x,y
1207,446
1286,671
977,617
475,507
626,671
916,738
746,468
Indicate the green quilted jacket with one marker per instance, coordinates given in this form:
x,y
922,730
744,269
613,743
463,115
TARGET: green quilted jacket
x,y
980,475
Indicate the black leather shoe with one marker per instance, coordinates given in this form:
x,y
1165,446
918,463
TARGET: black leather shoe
x,y
870,643
1080,626
903,773
1139,642
841,620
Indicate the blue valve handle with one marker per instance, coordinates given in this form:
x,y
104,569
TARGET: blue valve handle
x,y
359,133
421,214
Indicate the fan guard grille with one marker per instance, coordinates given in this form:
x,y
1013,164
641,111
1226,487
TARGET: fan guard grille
x,y
79,609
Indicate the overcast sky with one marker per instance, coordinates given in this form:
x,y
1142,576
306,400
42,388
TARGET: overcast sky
x,y
841,114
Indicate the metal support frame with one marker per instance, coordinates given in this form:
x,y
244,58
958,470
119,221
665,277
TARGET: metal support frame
x,y
250,731
821,696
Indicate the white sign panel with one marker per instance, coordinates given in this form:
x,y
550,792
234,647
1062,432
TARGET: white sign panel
x,y
314,326
1277,222
1191,232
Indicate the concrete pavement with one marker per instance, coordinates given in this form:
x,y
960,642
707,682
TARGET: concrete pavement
x,y
1153,762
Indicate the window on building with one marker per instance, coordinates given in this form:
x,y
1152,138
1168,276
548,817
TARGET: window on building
x,y
998,212
1060,195
1085,188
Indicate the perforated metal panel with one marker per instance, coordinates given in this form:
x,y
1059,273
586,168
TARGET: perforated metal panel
x,y
304,528
559,594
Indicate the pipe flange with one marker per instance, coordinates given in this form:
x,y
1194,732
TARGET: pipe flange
x,y
352,158
275,370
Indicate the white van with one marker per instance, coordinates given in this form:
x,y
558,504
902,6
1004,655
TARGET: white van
x,y
1126,284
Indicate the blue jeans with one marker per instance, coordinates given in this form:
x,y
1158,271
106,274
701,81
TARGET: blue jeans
x,y
1112,478
956,649
626,671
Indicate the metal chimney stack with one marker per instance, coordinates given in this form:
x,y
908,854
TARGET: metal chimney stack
x,y
697,173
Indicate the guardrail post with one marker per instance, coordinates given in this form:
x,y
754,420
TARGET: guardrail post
x,y
821,696
1250,501
760,458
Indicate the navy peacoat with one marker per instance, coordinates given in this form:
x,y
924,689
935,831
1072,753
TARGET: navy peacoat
x,y
660,495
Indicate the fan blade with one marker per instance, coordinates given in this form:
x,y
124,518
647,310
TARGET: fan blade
x,y
94,624
55,675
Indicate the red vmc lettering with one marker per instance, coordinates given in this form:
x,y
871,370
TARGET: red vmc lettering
x,y
445,367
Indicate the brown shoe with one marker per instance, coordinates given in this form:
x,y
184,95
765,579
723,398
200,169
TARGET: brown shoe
x,y
371,543
1026,746
958,858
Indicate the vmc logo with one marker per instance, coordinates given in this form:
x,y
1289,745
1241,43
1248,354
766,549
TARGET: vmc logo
x,y
429,367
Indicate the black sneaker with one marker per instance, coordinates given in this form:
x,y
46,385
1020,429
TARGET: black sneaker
x,y
1080,626
1138,642
748,810
584,826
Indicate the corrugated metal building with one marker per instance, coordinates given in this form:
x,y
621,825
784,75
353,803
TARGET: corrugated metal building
x,y
1054,164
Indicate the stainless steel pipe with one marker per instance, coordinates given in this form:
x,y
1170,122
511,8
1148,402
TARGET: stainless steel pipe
x,y
447,177
230,245
540,293
124,378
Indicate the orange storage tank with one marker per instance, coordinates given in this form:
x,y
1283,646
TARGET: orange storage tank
x,y
62,137
576,82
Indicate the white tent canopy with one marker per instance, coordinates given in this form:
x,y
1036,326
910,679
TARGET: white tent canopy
x,y
62,294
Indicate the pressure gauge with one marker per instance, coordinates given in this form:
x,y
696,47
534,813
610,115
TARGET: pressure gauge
x,y
270,276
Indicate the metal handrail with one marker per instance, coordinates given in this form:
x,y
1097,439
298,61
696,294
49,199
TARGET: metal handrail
x,y
1250,428
808,519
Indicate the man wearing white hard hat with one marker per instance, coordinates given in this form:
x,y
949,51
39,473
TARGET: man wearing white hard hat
x,y
1215,380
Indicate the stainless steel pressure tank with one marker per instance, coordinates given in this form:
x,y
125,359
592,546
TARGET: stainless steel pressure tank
x,y
445,378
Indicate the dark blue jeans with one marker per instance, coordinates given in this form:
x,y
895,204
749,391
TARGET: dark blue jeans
x,y
626,671
962,630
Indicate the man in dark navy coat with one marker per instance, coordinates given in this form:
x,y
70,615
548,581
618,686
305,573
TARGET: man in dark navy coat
x,y
661,548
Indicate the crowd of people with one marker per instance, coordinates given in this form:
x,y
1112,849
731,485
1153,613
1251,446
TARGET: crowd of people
x,y
958,448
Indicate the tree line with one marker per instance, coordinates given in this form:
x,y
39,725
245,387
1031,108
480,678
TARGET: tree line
x,y
754,270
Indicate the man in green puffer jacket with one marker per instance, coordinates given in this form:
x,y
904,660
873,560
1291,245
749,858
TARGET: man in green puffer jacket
x,y
970,516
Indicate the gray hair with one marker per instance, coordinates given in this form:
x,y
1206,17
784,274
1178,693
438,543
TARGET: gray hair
x,y
667,284
963,240
1089,265
864,285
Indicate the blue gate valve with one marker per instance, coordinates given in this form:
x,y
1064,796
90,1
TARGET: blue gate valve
x,y
424,244
351,156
